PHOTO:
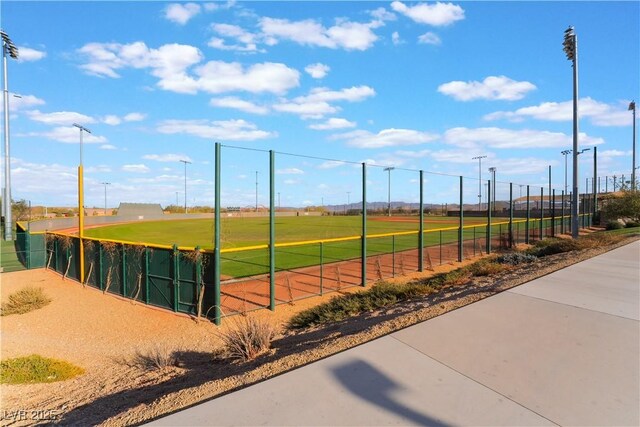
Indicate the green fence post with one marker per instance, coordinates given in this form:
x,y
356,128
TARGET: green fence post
x,y
176,276
421,231
562,213
474,241
526,225
460,224
511,215
146,275
364,224
27,247
553,213
272,233
124,271
198,272
100,266
393,256
216,238
541,213
488,234
321,267
440,247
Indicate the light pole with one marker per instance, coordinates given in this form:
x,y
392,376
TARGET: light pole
x,y
8,48
493,187
479,159
185,183
571,50
105,196
632,107
389,169
577,185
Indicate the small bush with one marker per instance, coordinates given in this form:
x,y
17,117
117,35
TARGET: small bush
x,y
553,246
632,224
248,338
486,267
614,225
36,369
516,258
24,301
158,357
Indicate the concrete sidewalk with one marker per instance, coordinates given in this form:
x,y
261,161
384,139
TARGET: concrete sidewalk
x,y
560,350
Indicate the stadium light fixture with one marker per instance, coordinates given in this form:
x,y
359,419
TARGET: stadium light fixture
x,y
389,169
82,128
479,159
632,108
185,183
570,47
8,49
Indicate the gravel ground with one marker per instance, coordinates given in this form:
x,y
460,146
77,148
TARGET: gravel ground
x,y
103,334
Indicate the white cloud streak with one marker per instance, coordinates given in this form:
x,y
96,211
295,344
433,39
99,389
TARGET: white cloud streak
x,y
385,138
438,14
229,130
491,88
181,13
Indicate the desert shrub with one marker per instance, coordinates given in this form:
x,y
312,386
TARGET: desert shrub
x,y
625,206
553,246
632,224
516,258
486,267
248,338
613,225
157,357
36,369
24,301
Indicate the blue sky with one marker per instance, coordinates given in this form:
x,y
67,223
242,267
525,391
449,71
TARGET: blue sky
x,y
410,85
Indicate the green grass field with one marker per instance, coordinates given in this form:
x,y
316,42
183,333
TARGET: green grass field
x,y
241,232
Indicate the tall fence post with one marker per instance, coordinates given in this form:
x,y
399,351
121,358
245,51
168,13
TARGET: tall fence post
x,y
488,234
541,212
526,225
216,238
272,233
176,276
461,223
146,274
553,214
364,224
421,231
510,214
562,213
124,270
321,268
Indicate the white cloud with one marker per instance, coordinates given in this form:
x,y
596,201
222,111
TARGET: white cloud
x,y
333,123
37,179
599,113
382,14
290,171
218,77
21,102
170,63
330,164
108,147
230,130
139,168
429,38
167,157
238,104
181,13
492,88
60,117
112,120
385,138
69,135
248,41
438,14
345,34
509,139
26,54
318,70
134,117
316,104
395,38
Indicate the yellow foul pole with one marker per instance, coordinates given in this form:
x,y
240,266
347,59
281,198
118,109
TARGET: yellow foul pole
x,y
81,219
